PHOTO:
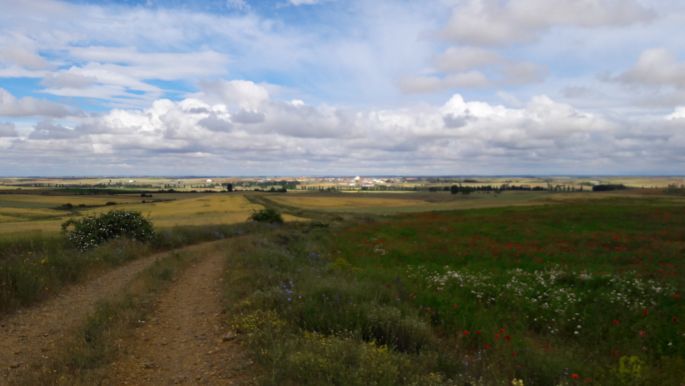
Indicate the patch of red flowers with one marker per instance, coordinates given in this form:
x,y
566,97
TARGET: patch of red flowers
x,y
575,376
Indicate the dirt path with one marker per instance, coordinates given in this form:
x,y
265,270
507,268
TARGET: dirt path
x,y
185,341
32,335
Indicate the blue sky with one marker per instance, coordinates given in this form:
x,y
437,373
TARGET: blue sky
x,y
299,87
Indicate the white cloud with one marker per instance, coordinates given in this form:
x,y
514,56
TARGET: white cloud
x,y
496,22
28,106
655,67
679,113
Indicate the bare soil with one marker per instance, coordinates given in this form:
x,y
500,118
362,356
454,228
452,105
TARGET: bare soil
x,y
185,341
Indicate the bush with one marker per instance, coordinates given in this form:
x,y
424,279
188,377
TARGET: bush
x,y
94,230
269,215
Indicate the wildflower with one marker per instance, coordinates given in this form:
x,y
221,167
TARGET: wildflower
x,y
517,382
615,322
645,312
466,333
487,346
477,332
507,338
575,376
643,333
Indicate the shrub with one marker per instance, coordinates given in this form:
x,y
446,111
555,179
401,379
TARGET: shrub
x,y
94,230
269,215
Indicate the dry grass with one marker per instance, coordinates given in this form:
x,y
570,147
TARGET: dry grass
x,y
37,213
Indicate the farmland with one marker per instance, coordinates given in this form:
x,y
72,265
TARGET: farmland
x,y
21,213
390,288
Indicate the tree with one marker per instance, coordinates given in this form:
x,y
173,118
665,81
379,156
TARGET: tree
x,y
229,187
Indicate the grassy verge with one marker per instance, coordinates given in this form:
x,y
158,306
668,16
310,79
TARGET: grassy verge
x,y
36,266
83,360
582,293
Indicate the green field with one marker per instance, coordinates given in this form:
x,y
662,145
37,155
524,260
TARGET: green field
x,y
580,293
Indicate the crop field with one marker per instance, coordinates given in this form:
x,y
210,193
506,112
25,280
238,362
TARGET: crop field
x,y
587,292
408,202
21,213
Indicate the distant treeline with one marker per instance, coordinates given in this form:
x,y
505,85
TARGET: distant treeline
x,y
454,189
608,187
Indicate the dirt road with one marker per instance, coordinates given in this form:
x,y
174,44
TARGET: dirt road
x,y
31,336
185,341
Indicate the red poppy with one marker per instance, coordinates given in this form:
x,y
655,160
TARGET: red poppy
x,y
645,312
487,346
514,354
466,332
615,322
643,333
477,332
575,376
507,338
674,319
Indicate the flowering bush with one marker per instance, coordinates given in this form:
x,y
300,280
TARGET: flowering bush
x,y
94,230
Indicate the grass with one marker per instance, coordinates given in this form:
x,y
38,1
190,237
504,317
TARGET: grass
x,y
580,293
36,266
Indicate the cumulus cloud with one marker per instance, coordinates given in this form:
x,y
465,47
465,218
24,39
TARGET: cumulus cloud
x,y
10,106
541,135
495,22
655,68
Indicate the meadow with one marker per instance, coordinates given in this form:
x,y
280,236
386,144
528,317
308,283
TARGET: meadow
x,y
586,292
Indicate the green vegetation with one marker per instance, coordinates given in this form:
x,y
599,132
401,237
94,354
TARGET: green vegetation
x,y
269,215
36,266
92,231
566,294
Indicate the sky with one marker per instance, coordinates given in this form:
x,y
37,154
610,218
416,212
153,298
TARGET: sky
x,y
342,87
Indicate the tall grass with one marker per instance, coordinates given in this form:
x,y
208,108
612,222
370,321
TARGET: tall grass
x,y
36,266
